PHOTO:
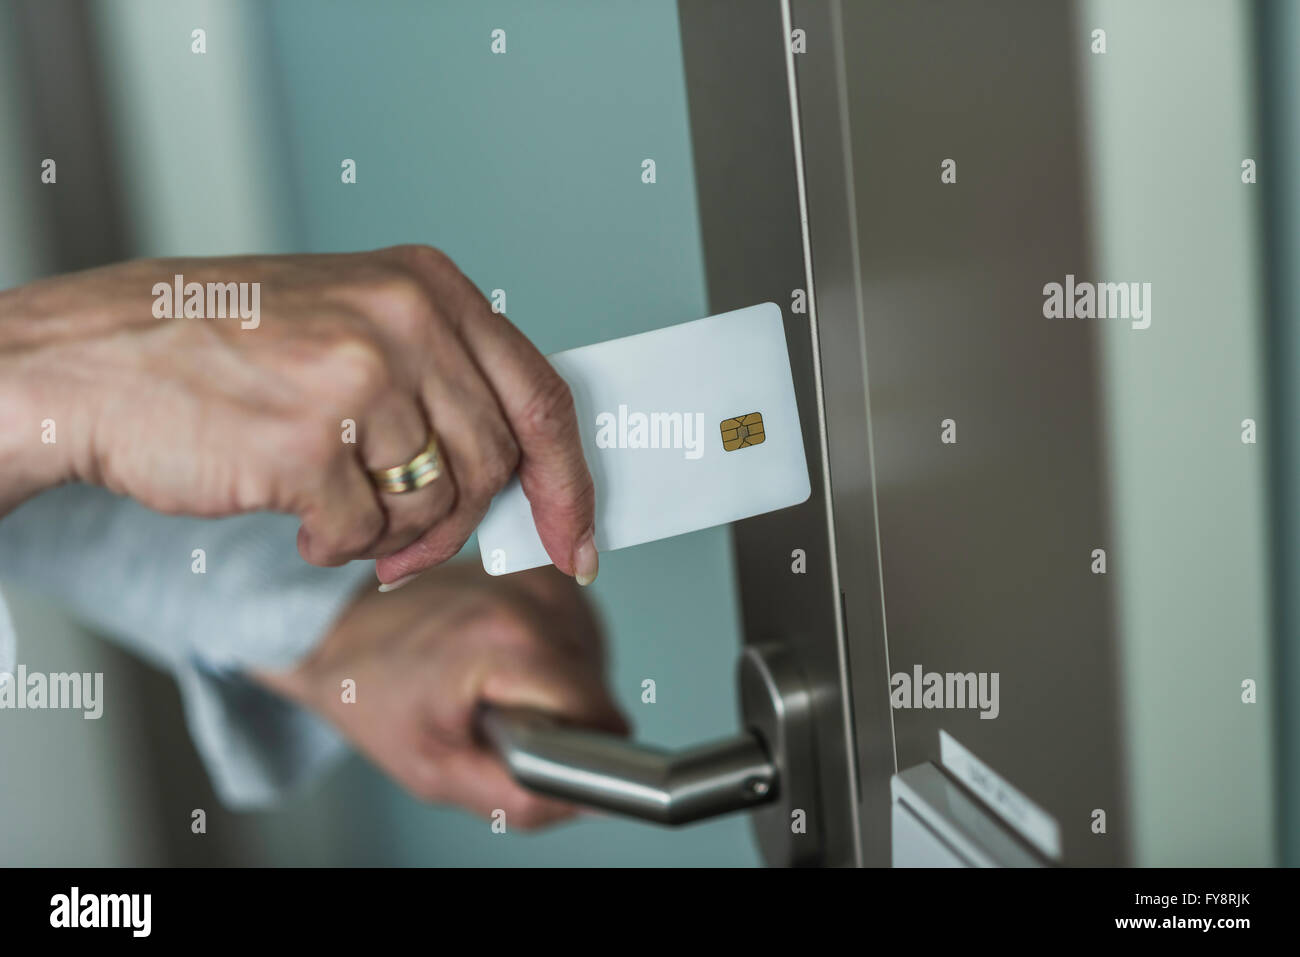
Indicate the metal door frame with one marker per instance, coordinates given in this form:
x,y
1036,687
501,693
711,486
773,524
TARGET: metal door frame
x,y
748,170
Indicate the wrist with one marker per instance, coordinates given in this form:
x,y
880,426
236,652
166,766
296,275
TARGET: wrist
x,y
52,379
290,684
38,425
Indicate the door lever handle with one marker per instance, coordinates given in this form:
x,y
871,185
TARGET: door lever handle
x,y
609,772
770,768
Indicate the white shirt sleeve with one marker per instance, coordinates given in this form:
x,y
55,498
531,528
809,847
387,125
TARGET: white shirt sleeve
x,y
204,599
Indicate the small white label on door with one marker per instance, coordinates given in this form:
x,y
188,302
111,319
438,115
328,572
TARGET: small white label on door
x,y
1028,820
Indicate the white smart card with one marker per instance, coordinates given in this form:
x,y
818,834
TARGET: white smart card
x,y
684,428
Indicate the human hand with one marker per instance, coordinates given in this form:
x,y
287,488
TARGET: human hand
x,y
214,416
424,657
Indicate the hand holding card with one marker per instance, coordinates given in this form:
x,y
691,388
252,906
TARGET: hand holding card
x,y
683,428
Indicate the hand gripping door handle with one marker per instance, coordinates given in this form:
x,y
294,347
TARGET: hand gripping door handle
x,y
605,771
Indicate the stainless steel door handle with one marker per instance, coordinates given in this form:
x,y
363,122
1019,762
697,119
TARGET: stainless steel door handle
x,y
771,765
608,772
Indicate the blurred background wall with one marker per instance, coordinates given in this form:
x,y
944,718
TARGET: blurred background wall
x,y
526,168
1172,111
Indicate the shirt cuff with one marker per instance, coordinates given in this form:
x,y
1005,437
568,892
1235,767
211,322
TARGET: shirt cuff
x,y
205,599
258,747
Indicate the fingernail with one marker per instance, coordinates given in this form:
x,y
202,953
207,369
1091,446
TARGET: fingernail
x,y
393,586
586,563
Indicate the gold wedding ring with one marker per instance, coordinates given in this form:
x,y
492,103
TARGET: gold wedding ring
x,y
415,474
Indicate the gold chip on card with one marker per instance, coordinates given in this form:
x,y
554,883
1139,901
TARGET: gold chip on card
x,y
742,431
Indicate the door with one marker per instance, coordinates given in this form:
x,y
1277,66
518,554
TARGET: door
x,y
1029,597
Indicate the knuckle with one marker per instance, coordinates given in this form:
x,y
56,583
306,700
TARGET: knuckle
x,y
511,632
356,366
402,304
315,550
420,258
